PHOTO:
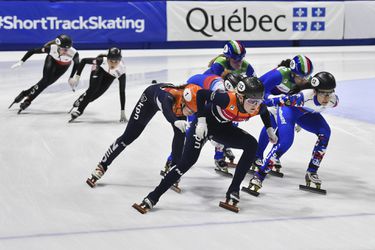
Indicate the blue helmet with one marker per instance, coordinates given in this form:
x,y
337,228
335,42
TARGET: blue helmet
x,y
235,50
301,65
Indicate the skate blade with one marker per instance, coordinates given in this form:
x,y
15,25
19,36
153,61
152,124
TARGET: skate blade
x,y
70,110
226,174
90,183
19,111
249,191
176,189
140,208
277,174
231,164
229,207
313,190
71,120
11,105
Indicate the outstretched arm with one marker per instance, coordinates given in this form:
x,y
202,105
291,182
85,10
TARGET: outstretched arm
x,y
29,54
75,64
122,86
35,51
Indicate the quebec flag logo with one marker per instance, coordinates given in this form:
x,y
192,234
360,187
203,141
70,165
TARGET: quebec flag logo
x,y
318,12
317,26
299,26
304,21
299,12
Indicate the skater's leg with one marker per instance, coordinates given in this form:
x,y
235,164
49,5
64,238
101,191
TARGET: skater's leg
x,y
315,123
191,151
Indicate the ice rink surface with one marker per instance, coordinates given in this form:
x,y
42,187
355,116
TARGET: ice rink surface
x,y
46,204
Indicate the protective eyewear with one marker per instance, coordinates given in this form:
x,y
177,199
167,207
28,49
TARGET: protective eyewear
x,y
325,93
237,58
252,101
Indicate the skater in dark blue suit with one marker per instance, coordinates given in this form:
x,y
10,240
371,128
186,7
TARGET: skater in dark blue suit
x,y
216,112
175,102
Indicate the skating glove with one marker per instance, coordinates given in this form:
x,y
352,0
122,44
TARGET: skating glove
x,y
17,65
297,128
123,116
271,135
201,129
73,82
181,125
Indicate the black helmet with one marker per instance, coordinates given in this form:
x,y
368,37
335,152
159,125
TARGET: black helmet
x,y
64,41
231,80
324,81
251,87
114,54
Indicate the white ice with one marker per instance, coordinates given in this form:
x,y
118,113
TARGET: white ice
x,y
46,204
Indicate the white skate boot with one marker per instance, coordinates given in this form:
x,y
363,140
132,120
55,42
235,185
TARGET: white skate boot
x,y
254,185
145,206
256,165
231,202
222,167
95,176
74,115
313,178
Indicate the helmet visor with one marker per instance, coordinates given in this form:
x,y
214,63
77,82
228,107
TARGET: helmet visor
x,y
237,58
325,93
253,101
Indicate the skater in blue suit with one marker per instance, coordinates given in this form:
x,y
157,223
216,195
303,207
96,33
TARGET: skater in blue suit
x,y
303,108
290,77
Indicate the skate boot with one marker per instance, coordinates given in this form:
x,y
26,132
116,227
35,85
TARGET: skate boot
x,y
229,154
26,103
276,168
96,175
255,166
222,168
75,105
313,178
254,185
175,187
231,202
167,167
18,98
145,206
74,115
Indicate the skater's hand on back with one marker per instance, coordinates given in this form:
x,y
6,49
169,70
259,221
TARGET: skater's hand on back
x,y
297,128
181,125
271,135
201,129
17,65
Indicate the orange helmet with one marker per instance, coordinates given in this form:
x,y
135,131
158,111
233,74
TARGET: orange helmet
x,y
190,96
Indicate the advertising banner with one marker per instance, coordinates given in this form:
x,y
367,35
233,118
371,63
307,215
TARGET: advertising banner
x,y
359,20
190,21
85,22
